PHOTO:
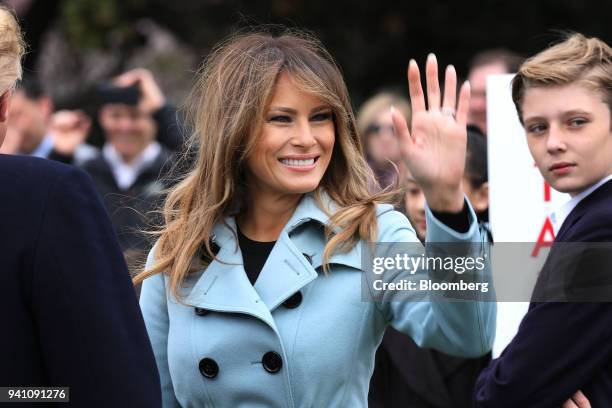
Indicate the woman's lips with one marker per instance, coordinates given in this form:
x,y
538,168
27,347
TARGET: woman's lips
x,y
299,164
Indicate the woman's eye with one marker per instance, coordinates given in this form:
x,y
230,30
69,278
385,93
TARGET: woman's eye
x,y
280,118
321,117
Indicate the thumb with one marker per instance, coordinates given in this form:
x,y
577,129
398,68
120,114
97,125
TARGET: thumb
x,y
401,131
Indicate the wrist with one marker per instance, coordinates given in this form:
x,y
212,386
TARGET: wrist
x,y
449,201
156,104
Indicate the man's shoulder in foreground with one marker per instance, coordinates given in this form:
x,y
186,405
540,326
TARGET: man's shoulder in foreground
x,y
26,173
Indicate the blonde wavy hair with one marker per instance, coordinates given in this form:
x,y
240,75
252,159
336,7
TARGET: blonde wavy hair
x,y
575,59
12,49
226,107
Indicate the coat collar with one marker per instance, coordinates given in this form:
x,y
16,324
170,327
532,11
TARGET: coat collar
x,y
224,285
312,242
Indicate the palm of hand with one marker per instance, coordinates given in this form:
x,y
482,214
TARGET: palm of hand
x,y
437,153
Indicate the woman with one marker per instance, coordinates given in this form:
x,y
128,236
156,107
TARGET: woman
x,y
252,293
380,143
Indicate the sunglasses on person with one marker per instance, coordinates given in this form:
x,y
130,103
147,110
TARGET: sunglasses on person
x,y
377,128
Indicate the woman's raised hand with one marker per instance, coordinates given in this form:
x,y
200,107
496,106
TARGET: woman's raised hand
x,y
434,150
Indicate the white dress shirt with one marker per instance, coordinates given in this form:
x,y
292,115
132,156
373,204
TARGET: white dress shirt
x,y
126,173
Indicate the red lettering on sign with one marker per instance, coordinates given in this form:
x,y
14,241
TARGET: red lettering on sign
x,y
546,191
543,241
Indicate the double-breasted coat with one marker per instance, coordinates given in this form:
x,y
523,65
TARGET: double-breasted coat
x,y
298,337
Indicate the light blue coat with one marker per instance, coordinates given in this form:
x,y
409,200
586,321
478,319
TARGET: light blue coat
x,y
327,343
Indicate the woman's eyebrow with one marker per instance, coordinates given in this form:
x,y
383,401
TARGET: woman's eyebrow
x,y
283,109
294,111
321,108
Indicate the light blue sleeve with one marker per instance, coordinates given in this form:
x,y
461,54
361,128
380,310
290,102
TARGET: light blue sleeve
x,y
153,303
460,328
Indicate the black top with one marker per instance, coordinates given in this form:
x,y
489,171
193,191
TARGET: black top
x,y
459,222
133,210
254,255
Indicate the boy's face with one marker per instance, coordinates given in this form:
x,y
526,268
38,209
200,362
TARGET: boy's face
x,y
569,136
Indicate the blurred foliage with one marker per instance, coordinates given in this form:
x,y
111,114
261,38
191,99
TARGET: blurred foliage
x,y
95,24
372,40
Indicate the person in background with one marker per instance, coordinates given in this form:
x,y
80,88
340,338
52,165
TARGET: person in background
x,y
34,130
405,374
68,309
476,177
153,102
376,129
483,64
130,172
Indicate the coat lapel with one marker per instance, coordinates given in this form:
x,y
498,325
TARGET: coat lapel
x,y
224,286
285,272
311,240
602,193
292,264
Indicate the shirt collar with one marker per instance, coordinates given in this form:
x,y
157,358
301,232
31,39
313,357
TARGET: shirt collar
x,y
44,148
126,173
559,216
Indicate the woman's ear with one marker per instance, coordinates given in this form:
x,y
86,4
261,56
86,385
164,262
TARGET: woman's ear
x,y
4,105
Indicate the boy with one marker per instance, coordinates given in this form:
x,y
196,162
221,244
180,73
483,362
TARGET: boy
x,y
563,96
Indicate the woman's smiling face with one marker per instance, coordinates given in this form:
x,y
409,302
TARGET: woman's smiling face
x,y
295,143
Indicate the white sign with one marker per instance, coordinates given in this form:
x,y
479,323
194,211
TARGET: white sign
x,y
520,203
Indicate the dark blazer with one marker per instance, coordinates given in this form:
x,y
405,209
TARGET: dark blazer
x,y
68,309
560,347
131,210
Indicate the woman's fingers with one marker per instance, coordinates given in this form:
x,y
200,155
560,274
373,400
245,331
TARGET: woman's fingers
x,y
433,86
464,104
450,88
433,90
417,99
401,130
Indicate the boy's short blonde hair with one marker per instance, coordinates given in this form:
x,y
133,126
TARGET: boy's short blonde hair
x,y
576,59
